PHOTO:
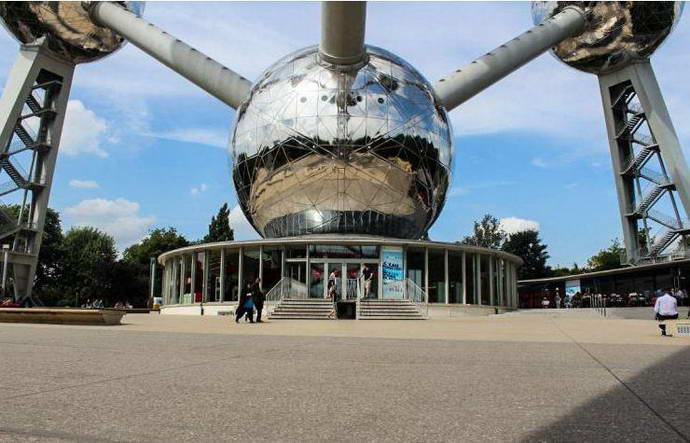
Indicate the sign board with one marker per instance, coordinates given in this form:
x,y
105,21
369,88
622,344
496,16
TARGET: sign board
x,y
571,288
393,272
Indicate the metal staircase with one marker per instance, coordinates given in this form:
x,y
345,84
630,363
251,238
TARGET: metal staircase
x,y
643,185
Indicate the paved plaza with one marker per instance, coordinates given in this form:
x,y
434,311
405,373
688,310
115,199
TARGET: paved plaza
x,y
527,377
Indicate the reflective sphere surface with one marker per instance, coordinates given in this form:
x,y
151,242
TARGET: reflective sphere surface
x,y
318,151
71,34
618,33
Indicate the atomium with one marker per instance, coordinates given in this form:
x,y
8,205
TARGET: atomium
x,y
317,150
617,34
71,34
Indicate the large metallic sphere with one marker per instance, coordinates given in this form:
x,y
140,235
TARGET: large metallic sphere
x,y
618,33
70,32
319,151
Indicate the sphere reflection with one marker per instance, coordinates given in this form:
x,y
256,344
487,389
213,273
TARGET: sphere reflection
x,y
70,32
316,150
618,33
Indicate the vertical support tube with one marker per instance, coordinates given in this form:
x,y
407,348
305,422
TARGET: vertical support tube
x,y
342,32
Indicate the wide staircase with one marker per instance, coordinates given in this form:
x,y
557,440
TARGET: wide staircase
x,y
303,309
387,309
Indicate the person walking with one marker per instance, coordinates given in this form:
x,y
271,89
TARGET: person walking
x,y
665,308
258,297
245,307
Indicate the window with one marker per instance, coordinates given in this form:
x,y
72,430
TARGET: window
x,y
471,267
213,281
437,276
272,265
454,277
415,266
232,268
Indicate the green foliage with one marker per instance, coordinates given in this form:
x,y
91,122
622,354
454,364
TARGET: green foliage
x,y
89,257
219,229
487,233
527,245
134,270
158,241
49,269
609,258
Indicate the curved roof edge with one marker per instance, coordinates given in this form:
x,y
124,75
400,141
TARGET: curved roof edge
x,y
340,239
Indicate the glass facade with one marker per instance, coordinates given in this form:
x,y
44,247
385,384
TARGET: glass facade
x,y
446,274
455,287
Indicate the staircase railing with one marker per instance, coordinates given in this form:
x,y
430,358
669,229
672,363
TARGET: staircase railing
x,y
418,296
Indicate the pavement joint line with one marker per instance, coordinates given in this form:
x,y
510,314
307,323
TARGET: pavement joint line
x,y
678,432
140,374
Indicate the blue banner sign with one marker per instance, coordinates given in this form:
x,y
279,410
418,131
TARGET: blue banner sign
x,y
393,272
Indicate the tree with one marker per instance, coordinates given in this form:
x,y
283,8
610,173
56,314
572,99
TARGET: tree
x,y
134,269
487,233
219,229
527,245
49,267
89,257
609,258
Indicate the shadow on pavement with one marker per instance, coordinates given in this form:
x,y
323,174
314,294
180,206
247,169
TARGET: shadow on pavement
x,y
653,405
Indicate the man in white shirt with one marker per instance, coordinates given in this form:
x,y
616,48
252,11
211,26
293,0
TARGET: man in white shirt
x,y
666,308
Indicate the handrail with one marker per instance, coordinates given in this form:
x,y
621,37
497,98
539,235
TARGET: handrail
x,y
417,295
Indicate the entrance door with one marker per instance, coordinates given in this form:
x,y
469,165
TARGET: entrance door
x,y
316,288
352,281
334,285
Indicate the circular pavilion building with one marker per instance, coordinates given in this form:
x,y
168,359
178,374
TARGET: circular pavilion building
x,y
342,172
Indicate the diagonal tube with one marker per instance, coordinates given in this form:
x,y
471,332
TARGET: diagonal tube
x,y
342,32
472,79
223,83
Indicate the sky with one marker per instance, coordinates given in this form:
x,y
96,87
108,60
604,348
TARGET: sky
x,y
144,148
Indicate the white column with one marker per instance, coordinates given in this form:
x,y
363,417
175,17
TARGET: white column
x,y
464,278
478,277
222,275
446,285
426,271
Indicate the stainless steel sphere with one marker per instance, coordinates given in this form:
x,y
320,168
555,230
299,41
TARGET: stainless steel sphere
x,y
318,151
70,32
618,33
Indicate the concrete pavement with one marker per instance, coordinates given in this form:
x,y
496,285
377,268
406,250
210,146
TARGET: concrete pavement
x,y
500,378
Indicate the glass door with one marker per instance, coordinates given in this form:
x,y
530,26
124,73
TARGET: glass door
x,y
352,281
316,288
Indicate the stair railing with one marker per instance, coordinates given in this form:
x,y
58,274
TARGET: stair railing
x,y
418,296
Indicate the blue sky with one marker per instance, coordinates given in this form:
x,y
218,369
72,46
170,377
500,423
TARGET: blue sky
x,y
144,148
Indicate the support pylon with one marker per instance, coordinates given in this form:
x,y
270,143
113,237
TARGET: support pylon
x,y
32,112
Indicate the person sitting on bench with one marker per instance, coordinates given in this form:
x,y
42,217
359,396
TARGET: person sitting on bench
x,y
666,308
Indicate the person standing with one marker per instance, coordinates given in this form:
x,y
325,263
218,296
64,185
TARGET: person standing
x,y
367,276
545,303
245,307
258,297
558,301
665,308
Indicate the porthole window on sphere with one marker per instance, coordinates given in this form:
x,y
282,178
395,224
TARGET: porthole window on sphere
x,y
359,98
303,99
324,98
380,100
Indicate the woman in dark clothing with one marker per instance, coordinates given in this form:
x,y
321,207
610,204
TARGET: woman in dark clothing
x,y
242,309
258,298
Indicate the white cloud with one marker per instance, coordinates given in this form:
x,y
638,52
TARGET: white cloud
x,y
201,188
119,218
538,162
84,184
243,230
511,225
83,131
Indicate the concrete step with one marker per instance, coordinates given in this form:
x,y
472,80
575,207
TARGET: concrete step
x,y
392,317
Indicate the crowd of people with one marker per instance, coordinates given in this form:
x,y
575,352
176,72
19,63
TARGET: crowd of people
x,y
632,299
